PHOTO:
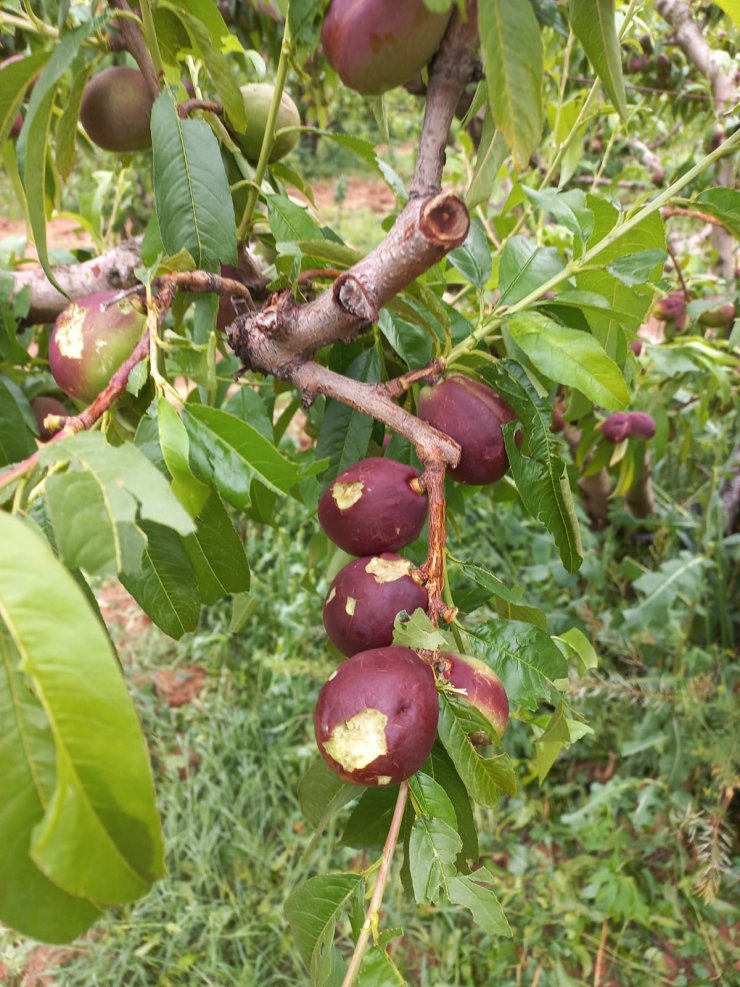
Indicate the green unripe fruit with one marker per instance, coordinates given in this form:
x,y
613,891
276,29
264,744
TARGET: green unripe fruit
x,y
116,109
257,101
89,343
720,315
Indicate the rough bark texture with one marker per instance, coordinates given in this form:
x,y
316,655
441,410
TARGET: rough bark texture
x,y
688,36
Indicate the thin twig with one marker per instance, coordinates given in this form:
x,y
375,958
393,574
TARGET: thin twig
x,y
371,917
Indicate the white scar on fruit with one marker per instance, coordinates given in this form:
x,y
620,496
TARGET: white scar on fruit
x,y
331,595
388,570
358,741
346,495
349,606
69,333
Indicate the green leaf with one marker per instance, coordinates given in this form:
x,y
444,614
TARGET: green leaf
x,y
637,268
526,660
491,155
164,585
192,195
367,826
433,849
430,799
100,836
66,136
507,603
322,794
290,221
570,357
473,258
485,778
312,911
525,267
412,343
724,203
473,892
593,24
229,453
173,441
33,139
580,645
440,768
112,486
418,632
14,81
512,57
679,577
378,969
554,738
567,208
16,438
29,902
542,480
345,433
217,554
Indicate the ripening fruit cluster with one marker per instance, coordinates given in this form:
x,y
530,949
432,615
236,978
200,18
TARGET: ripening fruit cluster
x,y
376,716
628,425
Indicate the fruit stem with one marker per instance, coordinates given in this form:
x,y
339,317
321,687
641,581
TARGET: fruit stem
x,y
434,567
371,916
269,136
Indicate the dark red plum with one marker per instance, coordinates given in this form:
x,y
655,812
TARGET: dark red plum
x,y
365,598
375,45
642,425
116,109
482,689
376,717
372,507
671,308
43,406
472,414
90,341
616,428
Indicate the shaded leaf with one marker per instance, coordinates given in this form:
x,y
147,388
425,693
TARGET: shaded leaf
x,y
593,24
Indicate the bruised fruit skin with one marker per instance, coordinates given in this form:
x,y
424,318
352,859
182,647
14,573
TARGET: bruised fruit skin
x,y
472,414
257,99
89,343
116,109
371,507
628,425
375,45
376,717
719,316
42,406
364,599
483,689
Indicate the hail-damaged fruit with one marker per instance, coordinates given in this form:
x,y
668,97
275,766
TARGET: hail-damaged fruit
x,y
90,340
480,686
365,598
116,110
375,45
372,507
472,414
376,717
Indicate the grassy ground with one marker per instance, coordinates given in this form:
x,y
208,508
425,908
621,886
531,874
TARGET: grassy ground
x,y
596,866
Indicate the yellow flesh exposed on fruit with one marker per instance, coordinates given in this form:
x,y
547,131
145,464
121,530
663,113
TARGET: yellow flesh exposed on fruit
x,y
349,606
358,741
346,495
388,570
69,333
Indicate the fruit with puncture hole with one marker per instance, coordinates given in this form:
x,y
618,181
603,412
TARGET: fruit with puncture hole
x,y
376,717
472,414
365,598
374,507
116,110
376,45
480,686
90,340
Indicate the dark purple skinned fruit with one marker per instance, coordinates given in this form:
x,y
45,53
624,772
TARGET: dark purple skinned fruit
x,y
671,308
616,428
372,507
365,598
719,316
636,346
472,414
116,109
480,686
376,717
42,407
89,343
642,425
558,422
375,45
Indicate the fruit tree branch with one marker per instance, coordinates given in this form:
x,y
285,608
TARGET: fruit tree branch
x,y
110,271
450,72
134,43
433,568
689,38
371,917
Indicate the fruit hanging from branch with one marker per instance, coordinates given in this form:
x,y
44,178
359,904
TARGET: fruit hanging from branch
x,y
257,99
116,109
478,685
376,45
376,717
43,406
375,506
90,340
